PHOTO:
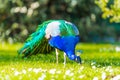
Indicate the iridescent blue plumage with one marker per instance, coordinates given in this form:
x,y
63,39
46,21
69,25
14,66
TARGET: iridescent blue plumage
x,y
66,44
59,34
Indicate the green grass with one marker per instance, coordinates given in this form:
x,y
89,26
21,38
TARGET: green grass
x,y
99,61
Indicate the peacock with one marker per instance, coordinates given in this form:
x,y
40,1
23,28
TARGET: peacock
x,y
59,34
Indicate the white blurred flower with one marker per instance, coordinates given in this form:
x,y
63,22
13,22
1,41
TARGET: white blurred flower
x,y
24,71
71,74
30,12
2,71
82,67
15,9
117,49
67,72
94,67
35,5
73,3
7,77
111,70
52,71
95,78
19,9
12,68
35,70
23,9
16,73
81,76
116,77
93,63
108,68
39,69
29,69
42,77
103,76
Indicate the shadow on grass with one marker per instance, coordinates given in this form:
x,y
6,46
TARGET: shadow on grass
x,y
12,56
7,56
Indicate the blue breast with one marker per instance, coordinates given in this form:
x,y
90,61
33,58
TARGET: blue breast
x,y
64,43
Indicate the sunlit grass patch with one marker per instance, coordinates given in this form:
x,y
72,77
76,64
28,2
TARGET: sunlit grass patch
x,y
10,47
58,72
100,62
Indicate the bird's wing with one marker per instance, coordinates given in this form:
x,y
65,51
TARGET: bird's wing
x,y
36,42
61,28
68,29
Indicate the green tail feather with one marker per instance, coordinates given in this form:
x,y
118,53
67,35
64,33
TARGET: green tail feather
x,y
36,43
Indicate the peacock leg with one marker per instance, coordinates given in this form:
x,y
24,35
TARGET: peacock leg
x,y
56,55
64,58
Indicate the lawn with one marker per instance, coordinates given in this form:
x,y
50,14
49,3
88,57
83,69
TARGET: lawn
x,y
99,62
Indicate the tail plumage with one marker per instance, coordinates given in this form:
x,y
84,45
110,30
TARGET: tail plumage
x,y
36,43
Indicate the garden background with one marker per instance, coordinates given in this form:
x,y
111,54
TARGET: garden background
x,y
97,20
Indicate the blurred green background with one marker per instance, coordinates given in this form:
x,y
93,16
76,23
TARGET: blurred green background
x,y
19,18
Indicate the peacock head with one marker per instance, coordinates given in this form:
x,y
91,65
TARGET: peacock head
x,y
75,57
78,60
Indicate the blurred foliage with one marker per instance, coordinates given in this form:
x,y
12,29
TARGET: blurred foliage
x,y
110,9
19,18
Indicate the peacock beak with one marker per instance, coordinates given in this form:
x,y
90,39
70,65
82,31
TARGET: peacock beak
x,y
78,60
